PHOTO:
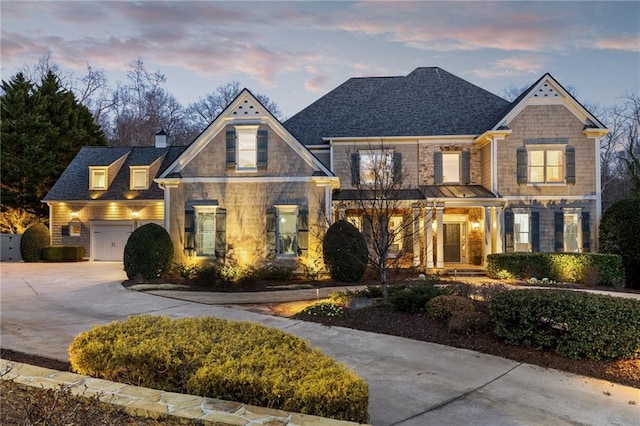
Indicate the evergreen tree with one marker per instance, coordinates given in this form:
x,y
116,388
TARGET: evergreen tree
x,y
42,128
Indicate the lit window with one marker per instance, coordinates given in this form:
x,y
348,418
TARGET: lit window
x,y
287,230
571,234
546,166
205,222
376,167
450,167
98,179
247,147
521,231
139,179
395,235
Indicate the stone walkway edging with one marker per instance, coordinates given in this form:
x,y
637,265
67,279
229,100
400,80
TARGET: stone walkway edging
x,y
153,403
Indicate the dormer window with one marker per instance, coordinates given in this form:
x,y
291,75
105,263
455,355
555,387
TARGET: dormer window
x,y
97,178
246,148
139,178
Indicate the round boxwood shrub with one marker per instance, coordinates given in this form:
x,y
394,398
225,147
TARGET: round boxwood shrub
x,y
148,252
33,242
619,230
345,252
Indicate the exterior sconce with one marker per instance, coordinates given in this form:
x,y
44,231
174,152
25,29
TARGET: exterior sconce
x,y
74,215
475,226
135,214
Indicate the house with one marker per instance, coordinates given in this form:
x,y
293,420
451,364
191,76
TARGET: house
x,y
480,175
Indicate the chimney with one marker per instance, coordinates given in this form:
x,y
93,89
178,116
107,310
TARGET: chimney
x,y
161,139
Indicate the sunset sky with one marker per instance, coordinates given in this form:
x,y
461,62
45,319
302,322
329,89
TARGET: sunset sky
x,y
294,52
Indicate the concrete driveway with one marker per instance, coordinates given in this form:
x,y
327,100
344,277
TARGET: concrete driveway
x,y
43,306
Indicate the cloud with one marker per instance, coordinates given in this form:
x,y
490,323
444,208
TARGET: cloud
x,y
316,84
627,42
514,66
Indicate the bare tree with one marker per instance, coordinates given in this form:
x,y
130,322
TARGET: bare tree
x,y
384,204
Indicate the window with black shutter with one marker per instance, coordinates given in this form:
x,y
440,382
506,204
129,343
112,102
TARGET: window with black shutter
x,y
535,231
586,232
559,232
231,148
570,159
437,167
263,139
522,164
508,231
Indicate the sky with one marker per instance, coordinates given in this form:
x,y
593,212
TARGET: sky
x,y
295,51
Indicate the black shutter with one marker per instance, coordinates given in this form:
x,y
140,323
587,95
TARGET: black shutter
x,y
570,160
586,233
535,231
303,233
355,169
189,231
397,167
231,149
437,167
522,164
508,231
221,233
465,164
263,140
271,233
559,232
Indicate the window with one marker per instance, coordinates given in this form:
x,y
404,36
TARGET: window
x,y
450,167
287,232
139,178
247,148
98,178
205,224
395,234
521,231
376,167
571,232
546,166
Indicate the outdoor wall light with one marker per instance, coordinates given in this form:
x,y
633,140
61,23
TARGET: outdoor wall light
x,y
475,225
135,214
74,215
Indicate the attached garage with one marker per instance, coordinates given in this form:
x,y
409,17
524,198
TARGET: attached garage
x,y
108,240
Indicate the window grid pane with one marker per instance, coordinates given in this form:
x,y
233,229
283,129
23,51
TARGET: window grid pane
x,y
376,167
571,225
450,167
521,231
287,233
140,179
206,234
99,179
247,150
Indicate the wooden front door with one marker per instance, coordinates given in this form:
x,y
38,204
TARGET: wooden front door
x,y
451,242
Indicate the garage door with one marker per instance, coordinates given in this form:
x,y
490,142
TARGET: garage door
x,y
109,241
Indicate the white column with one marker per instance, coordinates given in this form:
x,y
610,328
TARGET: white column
x,y
440,237
167,207
428,236
499,230
328,204
487,233
598,215
416,237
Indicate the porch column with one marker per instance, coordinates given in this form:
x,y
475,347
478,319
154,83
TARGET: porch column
x,y
440,237
499,231
416,237
487,233
428,236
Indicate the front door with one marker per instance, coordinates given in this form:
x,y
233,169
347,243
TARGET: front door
x,y
451,242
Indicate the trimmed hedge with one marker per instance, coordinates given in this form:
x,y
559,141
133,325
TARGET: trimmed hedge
x,y
619,231
148,252
63,253
33,242
574,324
413,298
564,267
222,359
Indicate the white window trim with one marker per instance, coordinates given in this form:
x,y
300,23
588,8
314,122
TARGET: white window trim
x,y
382,151
578,213
248,133
527,212
280,209
136,169
546,149
197,209
452,153
93,170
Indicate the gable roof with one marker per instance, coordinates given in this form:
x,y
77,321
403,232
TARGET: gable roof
x,y
427,102
244,109
548,90
73,185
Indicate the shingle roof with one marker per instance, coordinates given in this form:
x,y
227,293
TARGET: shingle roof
x,y
74,182
456,191
427,102
358,195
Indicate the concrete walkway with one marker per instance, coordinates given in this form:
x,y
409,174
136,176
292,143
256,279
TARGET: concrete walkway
x,y
43,306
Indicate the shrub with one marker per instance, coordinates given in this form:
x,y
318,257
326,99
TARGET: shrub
x,y
619,231
148,252
63,253
324,308
210,276
572,323
468,321
345,252
563,267
414,298
33,242
222,359
443,307
273,272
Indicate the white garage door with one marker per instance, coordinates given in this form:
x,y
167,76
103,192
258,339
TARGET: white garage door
x,y
108,241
